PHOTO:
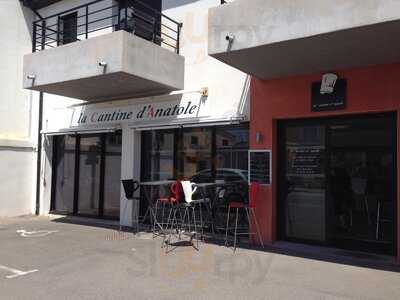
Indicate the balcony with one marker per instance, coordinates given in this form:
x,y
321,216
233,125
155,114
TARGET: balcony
x,y
271,39
105,51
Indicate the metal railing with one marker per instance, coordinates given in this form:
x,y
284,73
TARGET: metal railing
x,y
102,16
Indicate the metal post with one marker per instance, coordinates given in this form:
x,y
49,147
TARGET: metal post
x,y
34,37
58,30
179,37
87,22
43,35
119,16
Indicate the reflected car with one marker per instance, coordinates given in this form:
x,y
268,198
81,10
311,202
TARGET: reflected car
x,y
222,174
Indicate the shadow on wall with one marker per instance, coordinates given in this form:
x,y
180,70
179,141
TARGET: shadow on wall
x,y
28,17
167,4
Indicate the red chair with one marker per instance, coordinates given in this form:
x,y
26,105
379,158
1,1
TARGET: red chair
x,y
174,198
249,208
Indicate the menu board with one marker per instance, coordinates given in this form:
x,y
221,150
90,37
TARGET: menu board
x,y
260,166
306,161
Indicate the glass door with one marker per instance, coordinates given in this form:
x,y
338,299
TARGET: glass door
x,y
361,185
337,182
305,182
89,175
64,174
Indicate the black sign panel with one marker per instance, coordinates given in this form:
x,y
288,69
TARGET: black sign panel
x,y
333,101
260,166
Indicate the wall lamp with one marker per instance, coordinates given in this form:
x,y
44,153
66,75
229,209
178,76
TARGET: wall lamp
x,y
102,64
259,137
230,38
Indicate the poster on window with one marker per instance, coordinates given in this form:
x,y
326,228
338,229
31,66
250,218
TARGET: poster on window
x,y
306,160
260,166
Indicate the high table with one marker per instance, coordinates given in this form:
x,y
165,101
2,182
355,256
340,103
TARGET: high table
x,y
145,185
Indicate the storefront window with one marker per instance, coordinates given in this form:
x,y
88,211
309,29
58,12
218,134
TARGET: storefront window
x,y
158,155
112,174
196,152
232,145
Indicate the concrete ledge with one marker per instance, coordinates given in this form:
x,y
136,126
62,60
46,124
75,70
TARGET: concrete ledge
x,y
284,38
134,67
9,144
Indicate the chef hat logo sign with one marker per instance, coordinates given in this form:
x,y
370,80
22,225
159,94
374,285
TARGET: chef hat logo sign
x,y
328,83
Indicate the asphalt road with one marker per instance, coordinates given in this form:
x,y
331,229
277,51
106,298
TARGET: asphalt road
x,y
43,258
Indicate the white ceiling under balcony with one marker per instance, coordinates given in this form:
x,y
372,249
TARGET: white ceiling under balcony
x,y
273,39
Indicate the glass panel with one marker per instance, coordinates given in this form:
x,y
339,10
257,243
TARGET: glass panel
x,y
157,155
305,182
65,172
361,184
89,175
196,153
112,174
232,145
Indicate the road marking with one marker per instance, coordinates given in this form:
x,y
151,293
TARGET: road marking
x,y
16,273
39,233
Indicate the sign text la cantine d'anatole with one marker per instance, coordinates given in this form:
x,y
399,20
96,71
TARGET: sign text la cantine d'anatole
x,y
144,112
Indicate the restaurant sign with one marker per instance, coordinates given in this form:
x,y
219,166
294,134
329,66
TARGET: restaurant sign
x,y
91,115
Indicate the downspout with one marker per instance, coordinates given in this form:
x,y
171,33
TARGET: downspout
x,y
39,153
39,135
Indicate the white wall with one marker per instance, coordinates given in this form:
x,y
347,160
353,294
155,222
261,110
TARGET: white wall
x,y
18,109
228,87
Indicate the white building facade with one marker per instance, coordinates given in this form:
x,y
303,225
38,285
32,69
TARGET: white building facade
x,y
149,108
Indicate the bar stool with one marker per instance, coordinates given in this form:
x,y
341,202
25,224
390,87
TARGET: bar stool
x,y
174,197
249,209
169,202
188,220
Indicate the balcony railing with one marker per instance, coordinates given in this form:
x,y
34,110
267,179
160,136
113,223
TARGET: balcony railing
x,y
100,17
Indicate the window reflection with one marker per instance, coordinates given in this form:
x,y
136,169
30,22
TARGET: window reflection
x,y
65,172
89,175
112,174
195,155
157,155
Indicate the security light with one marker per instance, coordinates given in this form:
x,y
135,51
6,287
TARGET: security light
x,y
230,38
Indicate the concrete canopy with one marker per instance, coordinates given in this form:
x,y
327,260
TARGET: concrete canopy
x,y
303,38
135,67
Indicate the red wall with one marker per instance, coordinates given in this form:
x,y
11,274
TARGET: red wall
x,y
370,89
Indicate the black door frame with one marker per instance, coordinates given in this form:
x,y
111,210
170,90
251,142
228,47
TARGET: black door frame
x,y
281,170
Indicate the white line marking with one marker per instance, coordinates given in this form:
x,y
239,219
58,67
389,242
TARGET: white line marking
x,y
39,233
16,273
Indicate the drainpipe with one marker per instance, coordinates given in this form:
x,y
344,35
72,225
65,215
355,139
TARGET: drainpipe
x,y
39,153
39,135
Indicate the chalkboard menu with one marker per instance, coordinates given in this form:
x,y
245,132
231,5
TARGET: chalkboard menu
x,y
260,166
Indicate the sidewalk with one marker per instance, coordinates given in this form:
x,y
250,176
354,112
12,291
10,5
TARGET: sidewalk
x,y
75,261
